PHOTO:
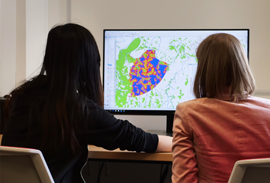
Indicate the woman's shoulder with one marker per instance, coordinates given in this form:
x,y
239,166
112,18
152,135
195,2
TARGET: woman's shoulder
x,y
93,105
259,101
37,86
192,102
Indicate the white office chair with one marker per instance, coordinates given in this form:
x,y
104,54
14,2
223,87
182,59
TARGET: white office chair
x,y
251,171
23,165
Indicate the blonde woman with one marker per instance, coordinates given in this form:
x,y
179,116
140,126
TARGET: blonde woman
x,y
225,123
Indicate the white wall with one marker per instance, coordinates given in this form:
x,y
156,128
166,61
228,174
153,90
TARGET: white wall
x,y
7,45
20,15
36,34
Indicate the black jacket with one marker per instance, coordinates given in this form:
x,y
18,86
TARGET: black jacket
x,y
103,130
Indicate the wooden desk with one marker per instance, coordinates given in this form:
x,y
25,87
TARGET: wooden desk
x,y
99,153
103,154
138,167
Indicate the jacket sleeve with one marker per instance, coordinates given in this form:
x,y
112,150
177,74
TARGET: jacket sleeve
x,y
184,167
104,130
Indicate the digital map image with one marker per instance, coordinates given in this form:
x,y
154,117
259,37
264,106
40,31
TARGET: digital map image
x,y
154,72
146,73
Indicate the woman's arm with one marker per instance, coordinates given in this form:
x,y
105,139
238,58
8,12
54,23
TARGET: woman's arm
x,y
104,130
164,144
184,167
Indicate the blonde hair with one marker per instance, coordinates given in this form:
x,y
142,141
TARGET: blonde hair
x,y
222,63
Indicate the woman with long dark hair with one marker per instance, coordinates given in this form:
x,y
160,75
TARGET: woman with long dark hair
x,y
60,111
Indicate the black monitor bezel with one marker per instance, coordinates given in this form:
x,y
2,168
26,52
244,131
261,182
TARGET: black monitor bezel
x,y
168,113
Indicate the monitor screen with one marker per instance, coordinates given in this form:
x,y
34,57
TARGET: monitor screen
x,y
151,71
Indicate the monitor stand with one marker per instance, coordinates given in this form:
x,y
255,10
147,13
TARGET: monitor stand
x,y
160,132
169,125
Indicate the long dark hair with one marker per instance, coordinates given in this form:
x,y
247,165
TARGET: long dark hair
x,y
72,68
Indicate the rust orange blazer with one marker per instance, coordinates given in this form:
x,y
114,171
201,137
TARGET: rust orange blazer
x,y
210,135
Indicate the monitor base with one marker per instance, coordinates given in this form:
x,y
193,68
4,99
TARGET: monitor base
x,y
160,132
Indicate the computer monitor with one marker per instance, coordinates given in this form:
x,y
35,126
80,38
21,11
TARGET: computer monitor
x,y
148,72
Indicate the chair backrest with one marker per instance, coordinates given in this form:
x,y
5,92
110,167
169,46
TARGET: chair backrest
x,y
23,165
250,171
